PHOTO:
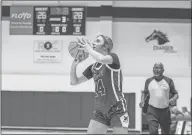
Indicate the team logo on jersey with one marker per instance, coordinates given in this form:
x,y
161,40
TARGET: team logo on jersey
x,y
125,120
163,42
97,72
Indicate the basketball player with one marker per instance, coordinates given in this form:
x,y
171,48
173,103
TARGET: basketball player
x,y
158,89
110,105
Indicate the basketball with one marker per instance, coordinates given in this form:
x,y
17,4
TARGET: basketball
x,y
74,51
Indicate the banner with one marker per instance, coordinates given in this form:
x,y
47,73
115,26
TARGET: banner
x,y
21,20
47,51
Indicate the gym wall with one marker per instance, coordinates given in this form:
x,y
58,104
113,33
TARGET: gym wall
x,y
45,88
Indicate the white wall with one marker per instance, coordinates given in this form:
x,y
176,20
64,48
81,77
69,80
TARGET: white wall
x,y
129,44
52,3
153,4
17,52
138,56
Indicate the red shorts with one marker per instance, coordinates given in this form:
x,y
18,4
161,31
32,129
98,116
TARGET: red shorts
x,y
115,117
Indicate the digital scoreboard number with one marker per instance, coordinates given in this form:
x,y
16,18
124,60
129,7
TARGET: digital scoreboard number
x,y
41,21
59,20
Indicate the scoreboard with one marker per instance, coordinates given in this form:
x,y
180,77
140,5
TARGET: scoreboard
x,y
53,20
59,21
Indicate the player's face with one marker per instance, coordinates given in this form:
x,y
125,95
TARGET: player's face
x,y
158,70
98,44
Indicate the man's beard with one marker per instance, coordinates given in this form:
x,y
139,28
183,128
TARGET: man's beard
x,y
158,76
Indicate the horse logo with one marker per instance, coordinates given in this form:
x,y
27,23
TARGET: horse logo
x,y
159,36
161,39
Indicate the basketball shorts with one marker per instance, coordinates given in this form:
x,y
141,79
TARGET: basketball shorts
x,y
115,117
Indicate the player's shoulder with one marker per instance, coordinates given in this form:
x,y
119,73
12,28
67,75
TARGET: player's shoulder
x,y
167,79
114,54
148,80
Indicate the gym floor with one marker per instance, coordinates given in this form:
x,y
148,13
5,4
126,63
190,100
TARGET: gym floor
x,y
9,131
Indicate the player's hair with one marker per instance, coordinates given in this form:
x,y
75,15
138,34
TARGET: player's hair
x,y
159,63
107,42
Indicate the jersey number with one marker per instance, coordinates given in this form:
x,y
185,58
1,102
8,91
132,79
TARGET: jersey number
x,y
100,89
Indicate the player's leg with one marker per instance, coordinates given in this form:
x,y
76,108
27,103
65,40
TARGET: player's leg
x,y
96,127
153,127
165,129
98,124
120,123
152,116
165,121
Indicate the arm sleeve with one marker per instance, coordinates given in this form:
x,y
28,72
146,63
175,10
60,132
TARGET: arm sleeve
x,y
88,72
172,88
146,90
116,63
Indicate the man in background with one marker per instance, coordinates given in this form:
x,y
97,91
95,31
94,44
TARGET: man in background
x,y
156,98
185,111
174,113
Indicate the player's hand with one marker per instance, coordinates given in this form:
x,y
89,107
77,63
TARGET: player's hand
x,y
85,44
171,101
141,104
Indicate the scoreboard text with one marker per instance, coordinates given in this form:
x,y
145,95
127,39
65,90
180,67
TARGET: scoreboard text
x,y
57,20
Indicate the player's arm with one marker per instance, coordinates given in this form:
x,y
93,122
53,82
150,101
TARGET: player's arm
x,y
105,59
173,91
74,80
145,92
